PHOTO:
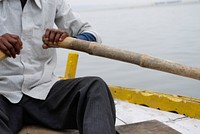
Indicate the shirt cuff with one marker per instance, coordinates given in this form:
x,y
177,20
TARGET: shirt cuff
x,y
86,36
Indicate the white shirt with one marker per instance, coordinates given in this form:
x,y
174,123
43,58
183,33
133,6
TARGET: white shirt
x,y
32,72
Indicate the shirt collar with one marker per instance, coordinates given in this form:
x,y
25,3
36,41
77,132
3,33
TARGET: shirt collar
x,y
38,3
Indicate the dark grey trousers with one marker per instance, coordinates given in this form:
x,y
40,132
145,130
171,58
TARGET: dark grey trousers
x,y
85,104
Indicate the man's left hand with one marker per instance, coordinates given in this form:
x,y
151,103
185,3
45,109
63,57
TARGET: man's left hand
x,y
52,37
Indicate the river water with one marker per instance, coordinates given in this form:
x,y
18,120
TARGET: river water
x,y
169,32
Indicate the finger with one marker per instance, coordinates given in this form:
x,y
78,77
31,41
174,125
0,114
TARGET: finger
x,y
52,36
46,35
17,47
44,40
63,36
57,37
44,46
60,34
5,50
17,44
20,43
18,39
47,39
9,49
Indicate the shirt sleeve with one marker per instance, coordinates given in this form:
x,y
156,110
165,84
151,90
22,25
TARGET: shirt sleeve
x,y
70,21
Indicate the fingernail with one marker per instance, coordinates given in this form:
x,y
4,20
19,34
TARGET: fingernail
x,y
44,46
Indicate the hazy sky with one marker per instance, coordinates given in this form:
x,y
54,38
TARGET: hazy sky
x,y
104,2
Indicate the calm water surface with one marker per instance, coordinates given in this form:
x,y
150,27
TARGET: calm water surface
x,y
169,32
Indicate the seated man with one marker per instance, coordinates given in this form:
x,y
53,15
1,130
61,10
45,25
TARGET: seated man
x,y
30,93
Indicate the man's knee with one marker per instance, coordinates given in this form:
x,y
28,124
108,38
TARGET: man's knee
x,y
98,87
97,82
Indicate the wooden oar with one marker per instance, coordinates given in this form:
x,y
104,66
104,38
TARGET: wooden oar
x,y
142,60
2,55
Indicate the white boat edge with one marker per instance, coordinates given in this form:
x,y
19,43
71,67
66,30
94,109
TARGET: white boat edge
x,y
128,113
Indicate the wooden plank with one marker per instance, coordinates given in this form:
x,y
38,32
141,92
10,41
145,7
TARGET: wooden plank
x,y
150,127
41,130
146,127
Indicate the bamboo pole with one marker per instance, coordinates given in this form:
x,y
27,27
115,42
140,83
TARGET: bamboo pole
x,y
142,60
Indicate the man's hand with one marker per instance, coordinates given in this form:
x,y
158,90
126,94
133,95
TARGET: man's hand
x,y
52,37
10,44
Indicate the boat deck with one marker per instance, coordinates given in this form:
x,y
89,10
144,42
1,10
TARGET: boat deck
x,y
128,113
135,118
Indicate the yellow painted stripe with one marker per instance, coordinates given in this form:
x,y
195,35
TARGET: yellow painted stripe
x,y
183,105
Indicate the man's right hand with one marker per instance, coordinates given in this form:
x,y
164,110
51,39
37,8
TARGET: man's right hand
x,y
10,44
